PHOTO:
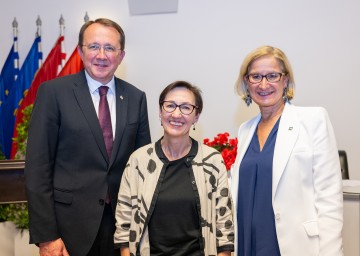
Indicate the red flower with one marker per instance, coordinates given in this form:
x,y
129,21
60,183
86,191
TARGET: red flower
x,y
227,147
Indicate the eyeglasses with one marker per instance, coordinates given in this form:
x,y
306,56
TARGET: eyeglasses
x,y
185,108
270,77
95,48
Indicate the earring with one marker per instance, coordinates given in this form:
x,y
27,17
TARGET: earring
x,y
160,121
285,98
194,127
248,100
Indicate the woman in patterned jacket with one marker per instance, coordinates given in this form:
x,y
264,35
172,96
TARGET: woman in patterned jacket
x,y
174,197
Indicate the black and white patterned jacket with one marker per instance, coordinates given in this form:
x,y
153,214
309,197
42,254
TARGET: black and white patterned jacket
x,y
136,201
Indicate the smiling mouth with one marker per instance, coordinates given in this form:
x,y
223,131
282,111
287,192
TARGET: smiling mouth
x,y
176,123
264,93
100,65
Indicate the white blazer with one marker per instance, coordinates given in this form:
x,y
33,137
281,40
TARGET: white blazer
x,y
307,185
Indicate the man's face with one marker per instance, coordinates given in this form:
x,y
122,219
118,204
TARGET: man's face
x,y
101,52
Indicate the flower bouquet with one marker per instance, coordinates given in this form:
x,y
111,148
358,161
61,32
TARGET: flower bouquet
x,y
227,147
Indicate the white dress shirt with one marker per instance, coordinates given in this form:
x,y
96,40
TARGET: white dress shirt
x,y
94,92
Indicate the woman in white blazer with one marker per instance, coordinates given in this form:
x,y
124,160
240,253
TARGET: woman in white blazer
x,y
286,181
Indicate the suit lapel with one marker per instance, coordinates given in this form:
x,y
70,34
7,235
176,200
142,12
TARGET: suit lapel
x,y
83,97
245,135
286,137
249,135
122,101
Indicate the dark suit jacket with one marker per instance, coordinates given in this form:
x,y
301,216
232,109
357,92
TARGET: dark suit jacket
x,y
67,171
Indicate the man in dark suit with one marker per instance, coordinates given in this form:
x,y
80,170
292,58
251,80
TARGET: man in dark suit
x,y
72,173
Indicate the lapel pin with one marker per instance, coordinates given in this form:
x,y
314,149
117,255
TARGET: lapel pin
x,y
121,97
290,128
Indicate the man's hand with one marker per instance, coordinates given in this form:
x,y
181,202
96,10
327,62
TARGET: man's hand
x,y
53,248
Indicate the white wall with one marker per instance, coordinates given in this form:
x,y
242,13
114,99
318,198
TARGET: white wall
x,y
205,43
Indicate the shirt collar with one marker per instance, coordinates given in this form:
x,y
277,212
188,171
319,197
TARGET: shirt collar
x,y
94,85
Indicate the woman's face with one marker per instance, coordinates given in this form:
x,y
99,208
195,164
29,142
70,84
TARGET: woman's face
x,y
177,124
267,94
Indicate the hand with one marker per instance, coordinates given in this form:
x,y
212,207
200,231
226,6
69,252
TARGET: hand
x,y
224,254
53,248
125,251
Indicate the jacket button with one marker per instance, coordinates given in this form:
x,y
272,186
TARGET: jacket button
x,y
277,216
101,201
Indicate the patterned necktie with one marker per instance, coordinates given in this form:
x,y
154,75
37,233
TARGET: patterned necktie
x,y
105,119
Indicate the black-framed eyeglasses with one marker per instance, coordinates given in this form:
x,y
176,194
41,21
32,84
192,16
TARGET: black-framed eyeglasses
x,y
95,48
270,77
185,108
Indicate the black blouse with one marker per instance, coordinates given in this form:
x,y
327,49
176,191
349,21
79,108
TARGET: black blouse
x,y
174,226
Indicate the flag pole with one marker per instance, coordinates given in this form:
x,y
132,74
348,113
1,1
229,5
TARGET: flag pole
x,y
62,29
16,60
38,24
62,25
86,17
38,34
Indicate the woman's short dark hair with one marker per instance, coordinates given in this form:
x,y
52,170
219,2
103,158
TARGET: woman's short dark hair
x,y
183,84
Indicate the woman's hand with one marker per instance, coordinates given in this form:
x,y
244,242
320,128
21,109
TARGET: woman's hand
x,y
224,254
124,251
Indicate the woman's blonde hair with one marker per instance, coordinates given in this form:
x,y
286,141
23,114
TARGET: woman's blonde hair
x,y
241,86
